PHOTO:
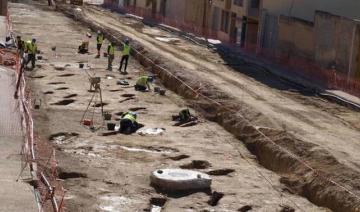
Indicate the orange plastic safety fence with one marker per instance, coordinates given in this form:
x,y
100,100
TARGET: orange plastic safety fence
x,y
306,68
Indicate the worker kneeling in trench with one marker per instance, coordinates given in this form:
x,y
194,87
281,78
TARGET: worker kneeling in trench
x,y
184,118
143,83
128,123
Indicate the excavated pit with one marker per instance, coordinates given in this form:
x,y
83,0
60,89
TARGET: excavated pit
x,y
215,198
116,90
127,99
64,102
70,175
56,83
100,104
134,109
37,77
48,92
245,208
62,88
220,172
66,75
196,164
158,201
70,96
179,157
128,95
277,155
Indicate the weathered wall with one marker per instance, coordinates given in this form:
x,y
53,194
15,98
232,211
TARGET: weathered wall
x,y
175,10
3,7
337,42
305,9
268,30
194,12
296,38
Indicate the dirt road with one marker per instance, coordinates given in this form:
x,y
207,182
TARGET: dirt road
x,y
312,119
111,173
299,126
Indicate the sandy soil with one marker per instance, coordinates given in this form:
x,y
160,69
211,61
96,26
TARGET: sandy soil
x,y
332,127
111,173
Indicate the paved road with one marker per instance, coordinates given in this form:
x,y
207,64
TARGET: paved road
x,y
14,196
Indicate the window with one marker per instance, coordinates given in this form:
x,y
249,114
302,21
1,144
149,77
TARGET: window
x,y
239,3
225,21
255,3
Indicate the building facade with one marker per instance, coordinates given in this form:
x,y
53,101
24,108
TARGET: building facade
x,y
3,7
236,21
305,9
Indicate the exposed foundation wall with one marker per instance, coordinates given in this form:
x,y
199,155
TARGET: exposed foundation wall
x,y
337,42
296,38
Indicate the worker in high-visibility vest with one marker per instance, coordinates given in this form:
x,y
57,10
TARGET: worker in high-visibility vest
x,y
128,123
184,117
99,42
125,56
111,55
31,49
143,83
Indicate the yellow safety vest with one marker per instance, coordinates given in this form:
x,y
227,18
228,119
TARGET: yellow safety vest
x,y
100,39
130,117
142,81
111,50
31,47
126,50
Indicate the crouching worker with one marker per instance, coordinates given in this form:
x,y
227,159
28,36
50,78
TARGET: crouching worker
x,y
143,83
84,47
128,123
184,118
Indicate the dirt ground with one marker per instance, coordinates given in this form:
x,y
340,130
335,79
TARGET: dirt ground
x,y
111,173
333,127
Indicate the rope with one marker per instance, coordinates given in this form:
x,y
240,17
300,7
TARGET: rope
x,y
304,163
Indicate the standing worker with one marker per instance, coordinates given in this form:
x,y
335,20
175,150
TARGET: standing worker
x,y
31,49
125,56
99,41
111,55
143,83
21,49
20,45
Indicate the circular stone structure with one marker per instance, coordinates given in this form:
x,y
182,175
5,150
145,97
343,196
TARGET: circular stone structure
x,y
180,179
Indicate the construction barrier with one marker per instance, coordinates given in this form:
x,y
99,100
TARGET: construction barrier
x,y
42,166
308,69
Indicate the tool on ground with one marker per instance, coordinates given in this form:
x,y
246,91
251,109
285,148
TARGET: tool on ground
x,y
37,103
122,82
54,50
